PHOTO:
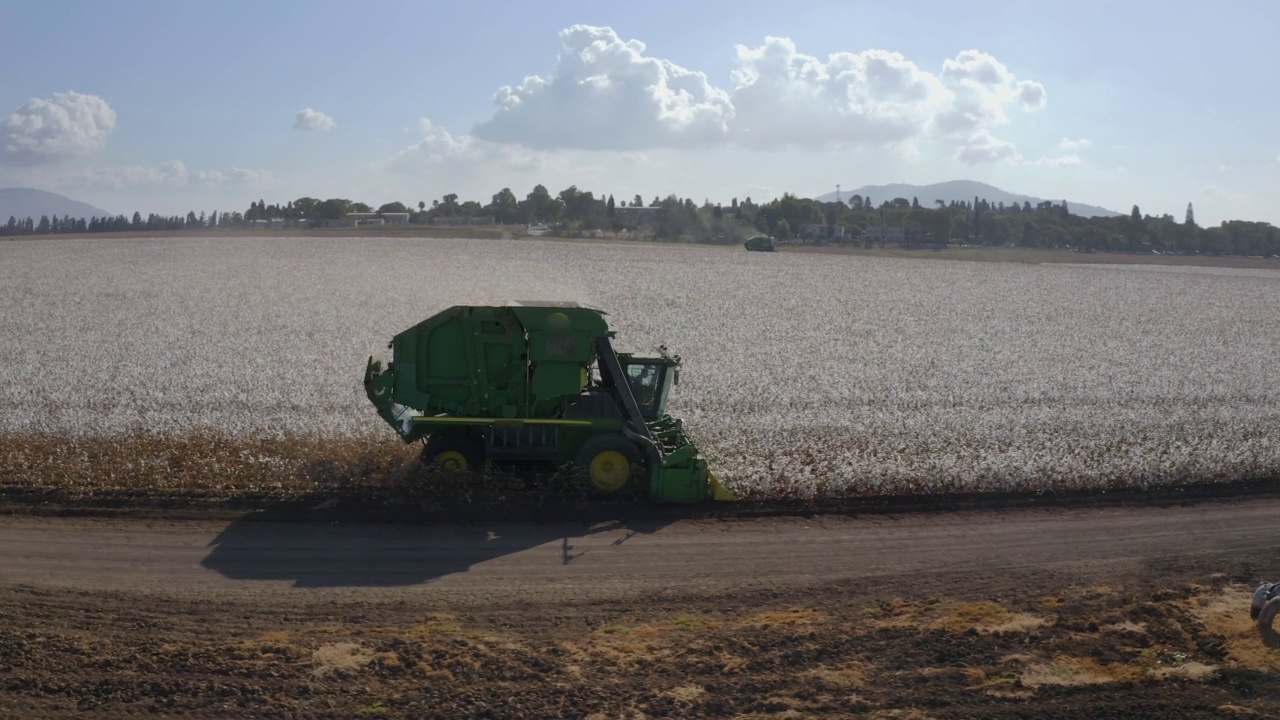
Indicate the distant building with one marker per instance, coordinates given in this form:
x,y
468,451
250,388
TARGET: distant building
x,y
636,216
456,220
821,232
360,219
884,234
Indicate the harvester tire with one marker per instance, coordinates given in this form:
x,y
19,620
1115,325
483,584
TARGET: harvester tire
x,y
453,452
1268,615
607,460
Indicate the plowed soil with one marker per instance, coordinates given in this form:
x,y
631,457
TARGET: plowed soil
x,y
1049,613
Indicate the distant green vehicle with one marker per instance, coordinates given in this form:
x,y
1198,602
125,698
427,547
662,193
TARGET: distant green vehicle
x,y
760,243
538,383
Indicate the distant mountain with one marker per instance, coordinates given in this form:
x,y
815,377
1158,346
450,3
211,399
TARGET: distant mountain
x,y
964,190
25,203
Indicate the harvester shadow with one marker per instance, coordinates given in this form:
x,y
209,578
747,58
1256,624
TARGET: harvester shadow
x,y
314,554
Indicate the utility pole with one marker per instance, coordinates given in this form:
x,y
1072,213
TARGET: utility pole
x,y
837,192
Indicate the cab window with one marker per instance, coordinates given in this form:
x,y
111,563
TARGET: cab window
x,y
643,380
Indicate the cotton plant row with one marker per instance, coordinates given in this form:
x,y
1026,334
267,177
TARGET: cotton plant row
x,y
805,375
203,466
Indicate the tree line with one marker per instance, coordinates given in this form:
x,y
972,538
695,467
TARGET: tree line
x,y
573,211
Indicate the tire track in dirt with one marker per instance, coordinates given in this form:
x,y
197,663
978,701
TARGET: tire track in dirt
x,y
492,563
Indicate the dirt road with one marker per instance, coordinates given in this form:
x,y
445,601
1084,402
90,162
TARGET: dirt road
x,y
1000,613
502,562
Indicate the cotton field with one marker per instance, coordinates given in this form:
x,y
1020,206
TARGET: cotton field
x,y
806,375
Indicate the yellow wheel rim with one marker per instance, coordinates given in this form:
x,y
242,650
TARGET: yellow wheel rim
x,y
451,460
610,470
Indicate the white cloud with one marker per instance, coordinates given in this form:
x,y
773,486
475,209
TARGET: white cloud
x,y
440,162
246,177
983,147
1068,159
438,149
436,145
1215,192
782,98
875,98
982,91
173,174
308,119
605,94
1069,145
1278,159
46,129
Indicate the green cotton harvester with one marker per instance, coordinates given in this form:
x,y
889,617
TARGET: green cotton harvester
x,y
539,383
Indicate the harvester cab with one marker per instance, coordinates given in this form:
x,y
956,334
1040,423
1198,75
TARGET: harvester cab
x,y
538,383
650,376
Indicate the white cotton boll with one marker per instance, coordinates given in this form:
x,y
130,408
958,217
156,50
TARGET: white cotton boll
x,y
827,373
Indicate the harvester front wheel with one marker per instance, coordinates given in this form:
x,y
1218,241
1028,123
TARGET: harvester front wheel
x,y
453,452
608,460
1267,617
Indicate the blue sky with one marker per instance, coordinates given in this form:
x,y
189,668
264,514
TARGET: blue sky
x,y
170,106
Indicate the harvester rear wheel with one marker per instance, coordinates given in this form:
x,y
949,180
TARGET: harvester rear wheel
x,y
453,452
608,460
1267,616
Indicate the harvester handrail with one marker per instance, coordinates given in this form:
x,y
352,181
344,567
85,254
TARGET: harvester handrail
x,y
609,358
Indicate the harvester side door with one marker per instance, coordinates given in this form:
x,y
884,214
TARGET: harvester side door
x,y
650,386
